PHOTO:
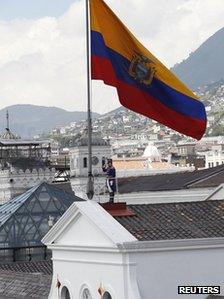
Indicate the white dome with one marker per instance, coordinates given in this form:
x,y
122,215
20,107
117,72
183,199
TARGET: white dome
x,y
151,152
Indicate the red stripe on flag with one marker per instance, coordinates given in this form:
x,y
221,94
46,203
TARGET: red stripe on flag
x,y
143,103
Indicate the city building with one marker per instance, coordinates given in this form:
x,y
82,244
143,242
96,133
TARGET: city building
x,y
149,163
23,163
136,251
101,150
215,157
186,148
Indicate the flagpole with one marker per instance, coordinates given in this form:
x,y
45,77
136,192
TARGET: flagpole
x,y
90,186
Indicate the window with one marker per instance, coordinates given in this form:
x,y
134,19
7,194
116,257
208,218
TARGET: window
x,y
95,160
65,293
103,161
85,162
107,295
217,163
86,294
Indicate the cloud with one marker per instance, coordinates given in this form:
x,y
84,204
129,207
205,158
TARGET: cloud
x,y
43,61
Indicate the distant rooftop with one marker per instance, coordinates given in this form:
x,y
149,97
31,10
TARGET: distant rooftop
x,y
24,154
82,140
10,142
8,135
209,177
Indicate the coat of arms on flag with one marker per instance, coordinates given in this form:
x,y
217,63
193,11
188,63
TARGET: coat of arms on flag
x,y
142,69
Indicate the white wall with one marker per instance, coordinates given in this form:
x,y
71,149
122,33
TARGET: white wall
x,y
196,194
75,269
77,155
14,182
84,255
213,159
155,274
160,272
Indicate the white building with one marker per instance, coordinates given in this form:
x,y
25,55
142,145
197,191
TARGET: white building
x,y
152,154
101,150
23,163
215,157
95,256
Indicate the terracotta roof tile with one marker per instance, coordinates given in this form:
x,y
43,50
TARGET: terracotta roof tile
x,y
129,164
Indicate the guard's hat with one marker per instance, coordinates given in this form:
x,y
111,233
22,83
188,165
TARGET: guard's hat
x,y
109,160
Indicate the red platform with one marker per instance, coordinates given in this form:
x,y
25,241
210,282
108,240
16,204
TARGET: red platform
x,y
117,209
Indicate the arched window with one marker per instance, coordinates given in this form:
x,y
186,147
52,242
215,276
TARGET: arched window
x,y
65,293
106,295
103,161
86,294
85,162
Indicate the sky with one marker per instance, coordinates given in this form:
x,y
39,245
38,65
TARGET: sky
x,y
42,45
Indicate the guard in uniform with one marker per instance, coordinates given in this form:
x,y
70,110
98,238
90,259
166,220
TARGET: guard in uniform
x,y
111,178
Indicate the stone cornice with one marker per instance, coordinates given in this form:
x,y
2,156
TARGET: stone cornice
x,y
172,245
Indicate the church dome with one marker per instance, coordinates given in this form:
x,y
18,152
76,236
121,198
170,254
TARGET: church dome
x,y
82,140
9,135
151,152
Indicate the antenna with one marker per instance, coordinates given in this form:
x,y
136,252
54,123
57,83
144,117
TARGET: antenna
x,y
7,120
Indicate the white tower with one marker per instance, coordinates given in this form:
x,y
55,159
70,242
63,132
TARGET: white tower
x,y
101,150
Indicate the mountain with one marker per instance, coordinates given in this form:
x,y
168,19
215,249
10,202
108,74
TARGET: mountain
x,y
29,120
205,65
113,112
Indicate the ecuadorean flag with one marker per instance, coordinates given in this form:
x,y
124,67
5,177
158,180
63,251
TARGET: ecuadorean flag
x,y
143,83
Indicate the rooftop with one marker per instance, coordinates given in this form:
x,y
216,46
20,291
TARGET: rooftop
x,y
11,142
8,135
82,140
187,220
13,285
25,219
44,267
173,181
140,163
25,163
